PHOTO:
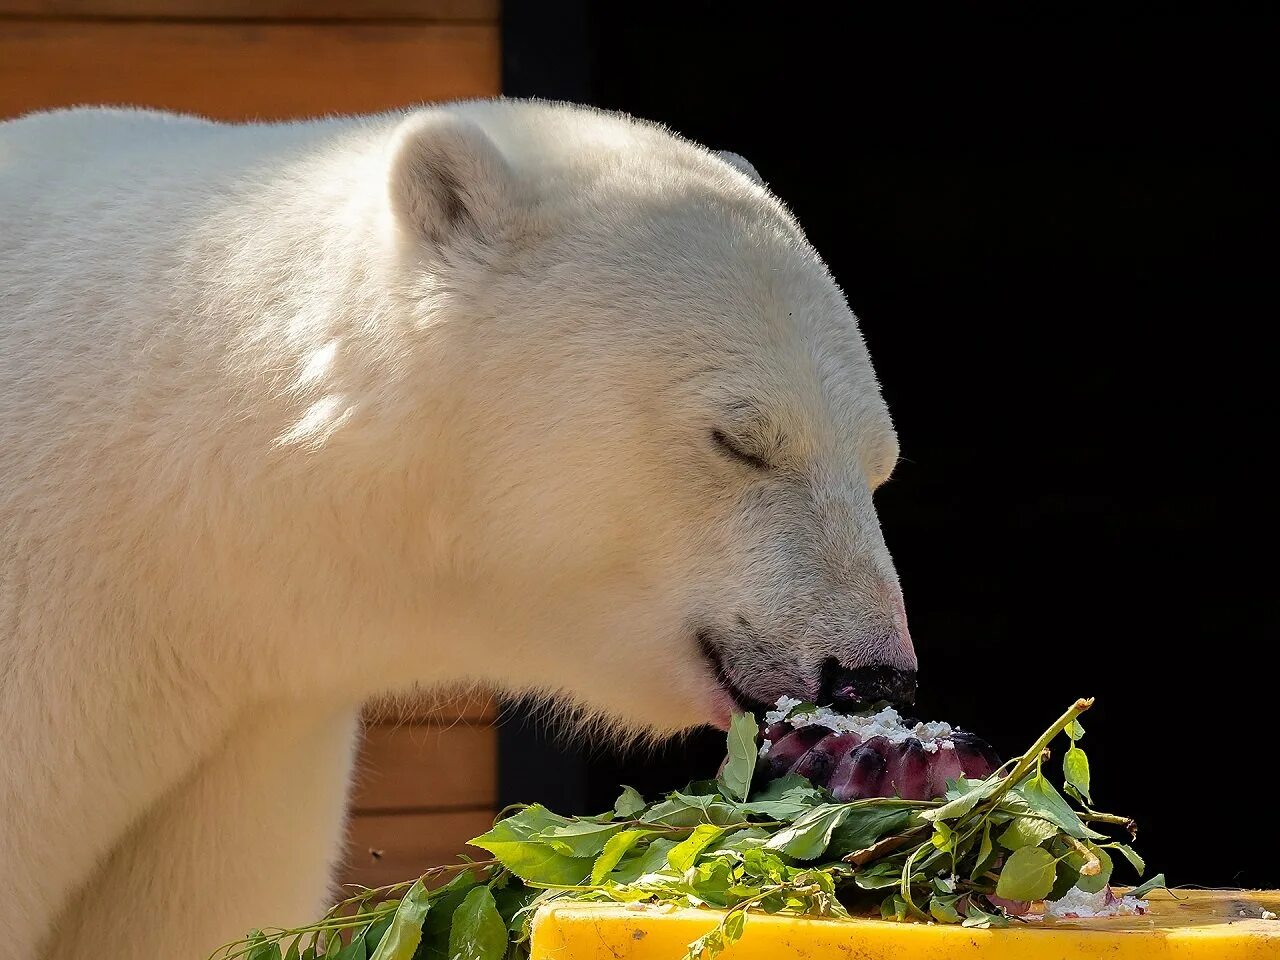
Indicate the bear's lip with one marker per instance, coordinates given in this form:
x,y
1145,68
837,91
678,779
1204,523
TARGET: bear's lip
x,y
731,698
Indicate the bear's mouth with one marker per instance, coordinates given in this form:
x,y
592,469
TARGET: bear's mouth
x,y
710,651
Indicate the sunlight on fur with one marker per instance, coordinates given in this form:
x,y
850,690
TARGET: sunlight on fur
x,y
293,415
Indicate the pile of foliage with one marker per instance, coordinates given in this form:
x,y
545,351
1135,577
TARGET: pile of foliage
x,y
976,857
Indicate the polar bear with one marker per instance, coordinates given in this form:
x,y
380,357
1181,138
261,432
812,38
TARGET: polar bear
x,y
506,393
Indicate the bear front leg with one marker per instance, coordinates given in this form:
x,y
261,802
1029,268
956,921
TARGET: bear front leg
x,y
249,841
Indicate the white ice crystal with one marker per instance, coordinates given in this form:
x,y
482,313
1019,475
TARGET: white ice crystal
x,y
887,723
1077,904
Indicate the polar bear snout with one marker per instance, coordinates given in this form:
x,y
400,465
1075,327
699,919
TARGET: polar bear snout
x,y
852,689
850,667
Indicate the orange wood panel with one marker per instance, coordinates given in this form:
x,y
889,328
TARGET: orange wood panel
x,y
408,844
256,9
411,767
243,70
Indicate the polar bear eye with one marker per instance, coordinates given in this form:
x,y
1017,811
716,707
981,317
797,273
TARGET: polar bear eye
x,y
730,449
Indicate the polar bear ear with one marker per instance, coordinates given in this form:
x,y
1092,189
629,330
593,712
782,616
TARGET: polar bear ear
x,y
742,164
448,181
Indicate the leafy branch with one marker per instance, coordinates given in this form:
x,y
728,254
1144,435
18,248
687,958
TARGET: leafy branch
x,y
787,847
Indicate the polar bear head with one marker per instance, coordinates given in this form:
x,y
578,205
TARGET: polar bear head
x,y
667,427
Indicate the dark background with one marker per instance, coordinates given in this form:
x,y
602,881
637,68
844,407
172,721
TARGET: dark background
x,y
1051,232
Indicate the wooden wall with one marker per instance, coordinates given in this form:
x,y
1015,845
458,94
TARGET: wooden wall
x,y
425,785
242,59
426,782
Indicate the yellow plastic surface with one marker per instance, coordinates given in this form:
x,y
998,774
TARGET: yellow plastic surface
x,y
1189,925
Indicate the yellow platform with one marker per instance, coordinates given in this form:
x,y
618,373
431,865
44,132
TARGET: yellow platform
x,y
1187,925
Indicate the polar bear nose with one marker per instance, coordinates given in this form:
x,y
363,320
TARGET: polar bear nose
x,y
848,689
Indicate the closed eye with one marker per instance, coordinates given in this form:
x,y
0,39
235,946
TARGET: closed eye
x,y
731,449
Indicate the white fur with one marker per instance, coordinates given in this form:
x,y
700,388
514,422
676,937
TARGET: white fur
x,y
291,415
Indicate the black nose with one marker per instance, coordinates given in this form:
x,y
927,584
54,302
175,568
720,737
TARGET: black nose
x,y
847,689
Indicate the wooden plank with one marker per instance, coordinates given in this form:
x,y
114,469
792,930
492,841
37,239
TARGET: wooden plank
x,y
243,71
439,709
430,10
406,768
408,844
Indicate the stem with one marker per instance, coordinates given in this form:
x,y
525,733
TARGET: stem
x,y
1029,759
368,893
893,802
886,845
668,828
1092,865
334,921
1024,763
905,884
745,907
1093,816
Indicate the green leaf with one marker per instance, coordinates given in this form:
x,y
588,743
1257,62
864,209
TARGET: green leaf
x,y
581,838
1028,874
964,803
355,950
1075,770
684,854
515,842
376,930
786,787
877,876
958,787
653,860
1074,730
1157,882
293,953
703,788
710,882
801,710
893,907
401,940
1095,882
1046,801
743,752
910,877
266,951
986,852
1129,854
943,837
1066,878
617,847
706,947
478,932
741,841
866,824
788,808
512,898
979,919
734,924
631,803
784,799
683,810
810,835
1027,832
529,822
943,909
444,903
773,903
764,865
